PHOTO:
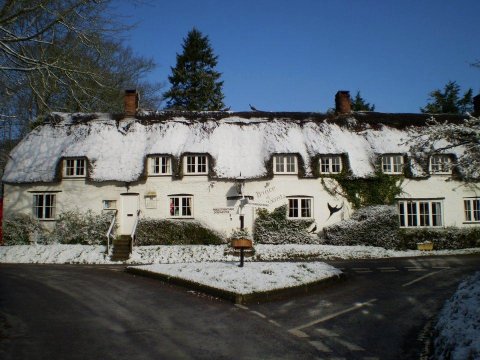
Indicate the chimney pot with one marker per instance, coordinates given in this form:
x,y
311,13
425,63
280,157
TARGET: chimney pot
x,y
476,105
343,103
131,100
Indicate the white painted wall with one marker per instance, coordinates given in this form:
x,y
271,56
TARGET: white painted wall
x,y
210,204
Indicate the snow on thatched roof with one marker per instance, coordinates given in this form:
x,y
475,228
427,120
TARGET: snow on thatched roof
x,y
116,148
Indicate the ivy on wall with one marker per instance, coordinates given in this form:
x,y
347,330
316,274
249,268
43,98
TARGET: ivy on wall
x,y
380,189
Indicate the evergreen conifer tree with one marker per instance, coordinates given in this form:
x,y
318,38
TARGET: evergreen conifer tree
x,y
195,83
359,104
449,101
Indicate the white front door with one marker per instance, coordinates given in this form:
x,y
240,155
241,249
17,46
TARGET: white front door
x,y
128,213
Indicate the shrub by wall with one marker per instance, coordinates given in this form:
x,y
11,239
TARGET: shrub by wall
x,y
371,225
275,228
444,238
74,227
20,229
175,232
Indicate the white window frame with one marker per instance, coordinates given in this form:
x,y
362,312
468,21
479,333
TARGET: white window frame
x,y
180,206
195,165
74,168
440,164
285,164
331,164
300,207
471,208
421,213
393,164
109,204
43,202
160,165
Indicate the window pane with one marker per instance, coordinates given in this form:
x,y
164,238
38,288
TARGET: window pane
x,y
279,165
165,165
325,165
291,164
156,165
424,213
80,171
468,210
398,164
70,167
202,164
336,164
186,209
293,207
386,164
476,209
401,210
412,214
306,208
436,214
190,164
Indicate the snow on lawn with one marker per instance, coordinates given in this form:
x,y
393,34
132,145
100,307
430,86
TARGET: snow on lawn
x,y
458,325
253,277
169,254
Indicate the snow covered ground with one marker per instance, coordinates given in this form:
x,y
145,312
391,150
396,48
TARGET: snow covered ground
x,y
254,277
458,327
163,254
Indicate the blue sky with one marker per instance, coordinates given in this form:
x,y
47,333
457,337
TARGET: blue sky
x,y
294,55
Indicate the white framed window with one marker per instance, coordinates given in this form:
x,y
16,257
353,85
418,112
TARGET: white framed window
x,y
331,164
440,164
181,206
284,164
44,206
420,213
160,165
300,207
74,168
392,164
196,164
109,204
472,209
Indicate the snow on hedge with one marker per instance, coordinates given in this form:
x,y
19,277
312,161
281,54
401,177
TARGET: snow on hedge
x,y
173,254
116,150
253,277
458,325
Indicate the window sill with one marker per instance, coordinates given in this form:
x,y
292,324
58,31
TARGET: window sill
x,y
159,175
46,220
471,222
181,217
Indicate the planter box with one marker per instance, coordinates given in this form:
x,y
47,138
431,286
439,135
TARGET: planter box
x,y
425,246
241,243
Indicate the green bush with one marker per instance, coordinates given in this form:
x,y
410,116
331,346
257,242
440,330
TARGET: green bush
x,y
444,238
275,228
21,229
371,225
175,232
74,227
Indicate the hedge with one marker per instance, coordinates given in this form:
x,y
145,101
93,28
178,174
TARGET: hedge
x,y
175,232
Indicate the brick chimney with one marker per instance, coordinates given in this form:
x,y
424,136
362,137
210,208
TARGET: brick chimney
x,y
131,101
476,105
342,102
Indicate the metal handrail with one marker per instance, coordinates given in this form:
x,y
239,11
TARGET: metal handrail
x,y
110,230
134,230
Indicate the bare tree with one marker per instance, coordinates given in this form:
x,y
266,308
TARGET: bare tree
x,y
64,55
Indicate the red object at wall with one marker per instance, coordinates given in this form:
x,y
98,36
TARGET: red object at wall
x,y
1,221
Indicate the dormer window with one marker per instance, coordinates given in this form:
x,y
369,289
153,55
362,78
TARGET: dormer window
x,y
196,164
440,164
331,164
392,164
284,164
160,165
74,168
